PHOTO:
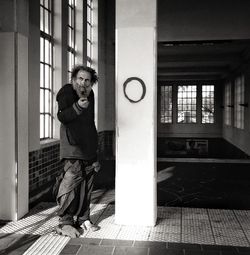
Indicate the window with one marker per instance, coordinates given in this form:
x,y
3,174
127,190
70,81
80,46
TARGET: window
x,y
46,60
207,104
228,104
166,104
71,36
238,102
89,31
186,105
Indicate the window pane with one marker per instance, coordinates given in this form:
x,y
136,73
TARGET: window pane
x,y
47,126
46,21
166,104
47,101
46,58
41,75
70,18
186,104
208,104
238,101
41,20
41,126
41,100
46,3
46,77
42,49
46,49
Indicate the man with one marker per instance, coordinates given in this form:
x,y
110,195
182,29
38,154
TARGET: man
x,y
78,149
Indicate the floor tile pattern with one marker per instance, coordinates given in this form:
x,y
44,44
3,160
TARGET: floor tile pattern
x,y
198,228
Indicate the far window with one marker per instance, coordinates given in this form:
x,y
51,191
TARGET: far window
x,y
228,104
166,104
207,103
187,104
238,102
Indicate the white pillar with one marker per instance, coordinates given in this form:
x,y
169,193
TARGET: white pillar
x,y
136,54
14,167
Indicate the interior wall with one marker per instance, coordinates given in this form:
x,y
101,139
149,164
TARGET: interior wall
x,y
7,127
203,20
34,75
241,137
106,66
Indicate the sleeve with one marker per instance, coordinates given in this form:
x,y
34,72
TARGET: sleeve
x,y
67,113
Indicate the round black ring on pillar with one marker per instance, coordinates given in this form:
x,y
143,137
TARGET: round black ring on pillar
x,y
143,89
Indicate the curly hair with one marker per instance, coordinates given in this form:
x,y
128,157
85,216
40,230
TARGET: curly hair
x,y
77,68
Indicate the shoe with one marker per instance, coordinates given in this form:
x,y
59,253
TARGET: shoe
x,y
88,225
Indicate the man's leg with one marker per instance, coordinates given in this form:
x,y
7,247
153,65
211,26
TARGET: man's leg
x,y
84,215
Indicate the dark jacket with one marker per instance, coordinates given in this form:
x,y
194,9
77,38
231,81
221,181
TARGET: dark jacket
x,y
78,135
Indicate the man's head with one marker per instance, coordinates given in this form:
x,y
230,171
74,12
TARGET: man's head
x,y
83,78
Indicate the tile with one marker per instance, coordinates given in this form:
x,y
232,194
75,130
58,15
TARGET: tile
x,y
93,241
150,244
190,252
116,242
95,250
161,251
243,249
70,249
164,237
134,233
130,251
194,247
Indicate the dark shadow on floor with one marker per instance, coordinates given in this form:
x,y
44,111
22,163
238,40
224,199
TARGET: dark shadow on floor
x,y
204,185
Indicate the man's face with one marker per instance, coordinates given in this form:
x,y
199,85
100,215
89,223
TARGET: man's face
x,y
82,84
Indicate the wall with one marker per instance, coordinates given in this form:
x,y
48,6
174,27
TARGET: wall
x,y
106,66
203,20
34,75
14,109
241,137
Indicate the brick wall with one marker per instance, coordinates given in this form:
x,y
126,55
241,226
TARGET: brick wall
x,y
44,165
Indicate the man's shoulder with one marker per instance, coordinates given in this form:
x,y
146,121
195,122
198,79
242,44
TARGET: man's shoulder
x,y
66,89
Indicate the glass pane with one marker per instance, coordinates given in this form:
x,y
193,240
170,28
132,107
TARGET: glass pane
x,y
41,75
47,47
186,104
47,126
70,18
46,76
47,101
41,100
46,3
46,21
41,19
89,49
41,126
89,31
41,49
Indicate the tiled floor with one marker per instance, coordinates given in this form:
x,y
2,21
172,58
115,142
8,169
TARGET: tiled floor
x,y
178,231
189,221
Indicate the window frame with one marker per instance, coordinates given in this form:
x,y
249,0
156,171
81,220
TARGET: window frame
x,y
213,102
166,113
46,70
71,36
89,34
239,98
187,98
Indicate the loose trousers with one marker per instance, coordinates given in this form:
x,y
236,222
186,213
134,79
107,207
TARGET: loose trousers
x,y
75,190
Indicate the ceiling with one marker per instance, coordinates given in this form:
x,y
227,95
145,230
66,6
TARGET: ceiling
x,y
201,60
